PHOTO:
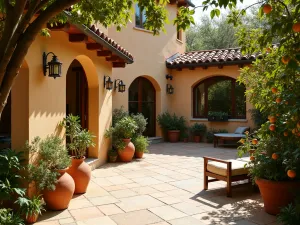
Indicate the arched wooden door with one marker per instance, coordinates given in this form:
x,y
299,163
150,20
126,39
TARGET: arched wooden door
x,y
142,100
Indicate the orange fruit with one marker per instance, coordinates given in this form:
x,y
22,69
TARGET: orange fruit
x,y
278,100
285,133
254,141
286,102
252,158
272,119
274,90
267,8
274,156
295,130
291,173
242,141
251,151
296,27
272,127
285,59
268,50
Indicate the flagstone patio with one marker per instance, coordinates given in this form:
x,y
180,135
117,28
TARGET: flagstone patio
x,y
166,187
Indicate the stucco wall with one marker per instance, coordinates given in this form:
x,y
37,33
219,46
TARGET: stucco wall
x,y
150,53
47,96
181,102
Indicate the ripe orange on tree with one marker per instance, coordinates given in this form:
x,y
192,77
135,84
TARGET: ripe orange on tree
x,y
274,156
267,8
272,119
296,27
252,158
274,90
295,130
285,59
254,141
291,173
242,141
285,133
278,100
272,127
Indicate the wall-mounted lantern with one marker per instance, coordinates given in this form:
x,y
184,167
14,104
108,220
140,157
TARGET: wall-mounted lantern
x,y
120,85
108,84
169,77
170,89
54,65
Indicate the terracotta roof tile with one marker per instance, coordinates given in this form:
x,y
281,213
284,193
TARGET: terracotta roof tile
x,y
216,57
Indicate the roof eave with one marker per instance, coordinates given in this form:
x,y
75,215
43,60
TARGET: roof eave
x,y
195,65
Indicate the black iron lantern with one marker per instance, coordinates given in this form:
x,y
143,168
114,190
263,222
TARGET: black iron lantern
x,y
170,89
54,66
120,85
108,84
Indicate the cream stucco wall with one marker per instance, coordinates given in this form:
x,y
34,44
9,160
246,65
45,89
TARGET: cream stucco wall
x,y
46,106
150,53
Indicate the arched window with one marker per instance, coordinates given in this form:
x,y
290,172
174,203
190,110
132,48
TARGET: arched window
x,y
219,94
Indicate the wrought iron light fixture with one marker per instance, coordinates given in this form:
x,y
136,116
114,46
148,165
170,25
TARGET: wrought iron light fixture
x,y
120,85
169,77
170,89
54,66
108,84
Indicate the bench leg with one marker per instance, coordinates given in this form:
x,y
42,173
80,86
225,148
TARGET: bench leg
x,y
228,189
215,141
205,176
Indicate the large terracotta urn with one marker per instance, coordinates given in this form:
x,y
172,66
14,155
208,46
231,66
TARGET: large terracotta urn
x,y
173,135
127,153
277,194
81,173
60,198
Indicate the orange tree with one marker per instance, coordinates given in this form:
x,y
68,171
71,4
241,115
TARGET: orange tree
x,y
273,83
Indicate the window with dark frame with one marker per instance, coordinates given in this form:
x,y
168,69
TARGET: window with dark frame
x,y
219,94
179,35
140,17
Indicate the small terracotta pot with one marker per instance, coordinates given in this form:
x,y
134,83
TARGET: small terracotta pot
x,y
277,194
173,135
127,153
60,198
139,155
81,172
112,158
197,138
185,140
32,218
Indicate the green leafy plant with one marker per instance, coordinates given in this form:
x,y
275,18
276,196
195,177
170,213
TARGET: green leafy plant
x,y
171,122
31,206
78,139
112,152
198,129
141,143
118,114
210,134
8,217
47,156
141,123
290,215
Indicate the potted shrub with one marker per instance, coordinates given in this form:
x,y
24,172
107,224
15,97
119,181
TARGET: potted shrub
x,y
121,135
9,217
141,143
78,141
112,155
49,163
217,116
172,125
31,208
185,137
198,130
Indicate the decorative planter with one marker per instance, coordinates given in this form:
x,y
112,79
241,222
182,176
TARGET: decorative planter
x,y
218,118
112,158
139,154
185,140
127,153
80,171
197,138
32,218
277,194
60,198
173,135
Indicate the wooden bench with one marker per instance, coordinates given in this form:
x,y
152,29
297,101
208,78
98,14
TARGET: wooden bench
x,y
226,170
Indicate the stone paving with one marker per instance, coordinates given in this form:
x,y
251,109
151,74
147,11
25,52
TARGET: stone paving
x,y
165,187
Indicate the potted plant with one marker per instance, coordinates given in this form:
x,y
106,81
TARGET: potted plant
x,y
112,155
198,130
31,208
121,135
172,125
47,170
141,143
9,217
185,137
78,141
217,116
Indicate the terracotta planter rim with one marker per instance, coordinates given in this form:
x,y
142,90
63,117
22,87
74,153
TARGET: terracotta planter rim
x,y
262,180
62,171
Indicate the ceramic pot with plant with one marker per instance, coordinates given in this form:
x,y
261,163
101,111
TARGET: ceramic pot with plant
x,y
198,130
78,141
49,162
172,125
31,208
112,155
141,143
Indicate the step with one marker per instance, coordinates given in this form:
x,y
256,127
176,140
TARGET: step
x,y
155,140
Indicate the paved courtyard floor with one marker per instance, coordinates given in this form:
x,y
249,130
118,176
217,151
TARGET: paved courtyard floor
x,y
165,187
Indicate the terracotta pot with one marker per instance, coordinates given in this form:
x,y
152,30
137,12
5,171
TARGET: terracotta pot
x,y
277,194
127,153
173,135
139,155
81,173
185,140
113,158
60,198
197,138
32,218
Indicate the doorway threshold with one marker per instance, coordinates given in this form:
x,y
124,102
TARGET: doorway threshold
x,y
93,162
